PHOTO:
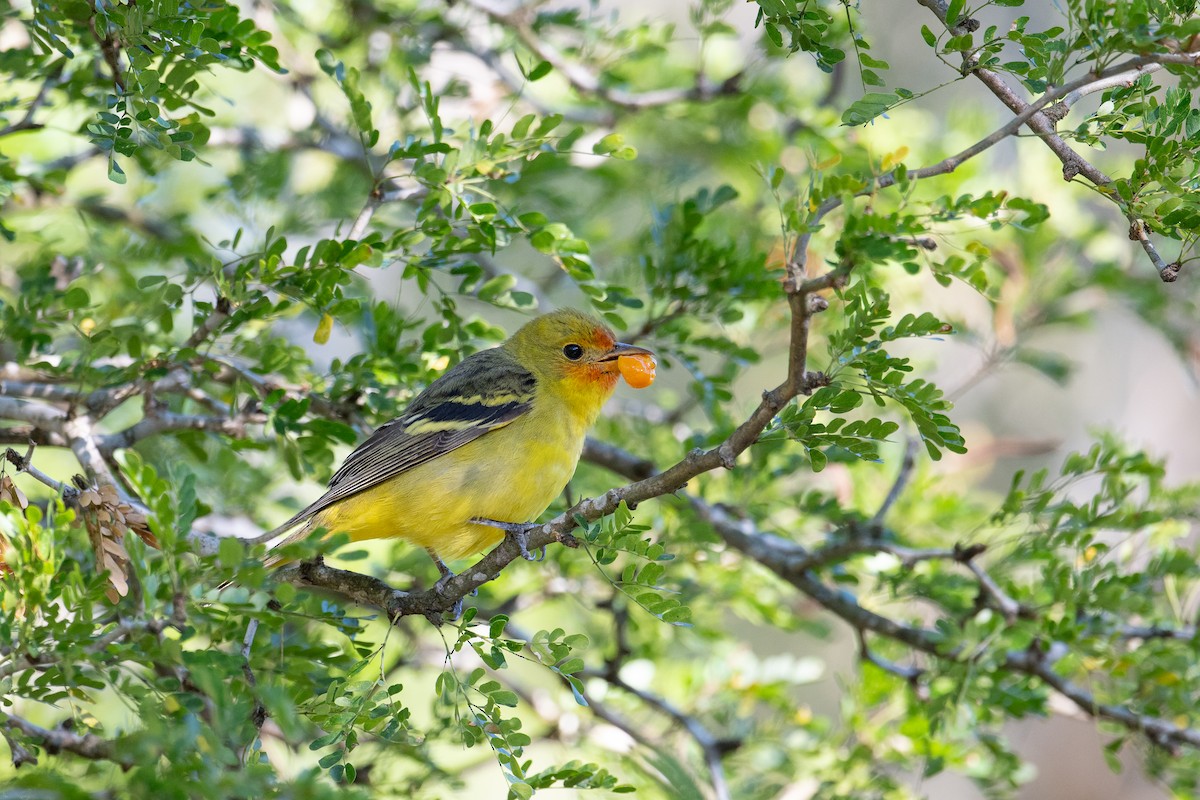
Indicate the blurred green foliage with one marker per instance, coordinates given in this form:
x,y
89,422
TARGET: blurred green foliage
x,y
273,225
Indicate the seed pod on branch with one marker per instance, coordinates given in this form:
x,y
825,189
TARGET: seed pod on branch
x,y
107,519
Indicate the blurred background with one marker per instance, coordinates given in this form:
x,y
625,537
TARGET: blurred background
x,y
1080,338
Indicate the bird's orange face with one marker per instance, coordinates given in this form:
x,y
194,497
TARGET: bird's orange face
x,y
577,349
594,356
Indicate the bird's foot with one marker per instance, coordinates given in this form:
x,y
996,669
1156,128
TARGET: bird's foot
x,y
519,532
440,586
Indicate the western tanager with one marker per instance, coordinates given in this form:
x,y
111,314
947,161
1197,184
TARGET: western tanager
x,y
486,447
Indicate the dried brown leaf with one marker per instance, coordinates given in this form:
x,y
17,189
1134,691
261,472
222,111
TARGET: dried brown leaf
x,y
5,569
118,582
116,548
10,492
136,522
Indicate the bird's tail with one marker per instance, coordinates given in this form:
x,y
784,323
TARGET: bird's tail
x,y
301,516
301,523
301,530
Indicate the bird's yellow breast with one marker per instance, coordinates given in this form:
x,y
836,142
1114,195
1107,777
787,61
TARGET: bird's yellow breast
x,y
511,474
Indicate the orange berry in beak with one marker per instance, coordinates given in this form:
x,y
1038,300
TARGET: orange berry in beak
x,y
637,370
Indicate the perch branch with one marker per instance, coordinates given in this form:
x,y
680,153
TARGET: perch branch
x,y
795,564
432,603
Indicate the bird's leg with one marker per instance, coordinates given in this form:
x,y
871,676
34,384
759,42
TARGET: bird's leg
x,y
441,568
456,610
519,531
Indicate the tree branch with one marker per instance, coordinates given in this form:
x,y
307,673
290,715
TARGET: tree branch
x,y
912,675
1035,116
586,82
905,472
109,46
24,464
85,444
87,745
1123,78
26,123
433,602
1185,633
121,630
211,324
795,564
160,421
713,748
517,85
1044,125
43,416
20,756
1034,662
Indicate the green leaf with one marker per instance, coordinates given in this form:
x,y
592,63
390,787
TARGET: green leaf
x,y
868,108
954,12
497,286
608,144
76,297
115,173
230,552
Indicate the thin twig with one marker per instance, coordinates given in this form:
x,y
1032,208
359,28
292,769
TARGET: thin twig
x,y
363,220
1033,116
211,324
258,714
161,421
1185,633
635,732
109,46
1126,78
910,674
586,82
26,123
20,756
713,748
1008,607
121,630
517,84
377,198
25,464
905,472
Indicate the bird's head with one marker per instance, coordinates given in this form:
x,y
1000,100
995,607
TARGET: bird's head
x,y
573,351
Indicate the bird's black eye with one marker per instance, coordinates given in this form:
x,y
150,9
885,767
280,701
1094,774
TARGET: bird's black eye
x,y
573,352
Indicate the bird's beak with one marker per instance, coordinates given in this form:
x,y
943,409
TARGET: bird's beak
x,y
609,359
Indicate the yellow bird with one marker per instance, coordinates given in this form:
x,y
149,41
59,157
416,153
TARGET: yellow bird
x,y
487,447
